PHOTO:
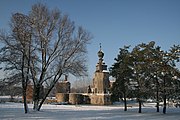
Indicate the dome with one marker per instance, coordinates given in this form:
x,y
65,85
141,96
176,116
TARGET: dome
x,y
100,54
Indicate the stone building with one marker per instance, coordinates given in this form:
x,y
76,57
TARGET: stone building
x,y
63,86
101,84
101,76
97,93
62,90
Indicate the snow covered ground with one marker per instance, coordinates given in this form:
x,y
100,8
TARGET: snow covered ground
x,y
14,111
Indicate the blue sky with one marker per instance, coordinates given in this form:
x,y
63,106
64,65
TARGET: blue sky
x,y
113,23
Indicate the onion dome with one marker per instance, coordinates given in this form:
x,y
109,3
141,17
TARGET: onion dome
x,y
100,53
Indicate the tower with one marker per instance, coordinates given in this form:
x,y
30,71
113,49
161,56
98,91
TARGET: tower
x,y
100,88
101,76
63,90
63,86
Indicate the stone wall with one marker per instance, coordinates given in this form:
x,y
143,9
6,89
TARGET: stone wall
x,y
62,97
63,87
78,98
75,98
100,99
100,82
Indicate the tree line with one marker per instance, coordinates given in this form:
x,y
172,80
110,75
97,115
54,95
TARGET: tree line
x,y
146,71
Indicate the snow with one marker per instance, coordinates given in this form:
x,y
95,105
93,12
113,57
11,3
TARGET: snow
x,y
15,111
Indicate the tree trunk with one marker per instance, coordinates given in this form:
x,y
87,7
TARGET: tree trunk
x,y
36,103
140,105
164,96
45,96
36,97
164,107
24,85
157,100
26,110
125,102
157,94
157,106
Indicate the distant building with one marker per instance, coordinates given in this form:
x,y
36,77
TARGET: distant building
x,y
101,84
29,93
97,94
63,86
62,90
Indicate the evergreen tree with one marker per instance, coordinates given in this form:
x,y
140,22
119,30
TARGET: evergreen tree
x,y
147,72
122,71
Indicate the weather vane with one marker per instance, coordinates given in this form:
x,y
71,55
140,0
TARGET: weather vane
x,y
100,45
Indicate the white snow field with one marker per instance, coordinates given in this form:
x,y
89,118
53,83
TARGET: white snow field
x,y
15,111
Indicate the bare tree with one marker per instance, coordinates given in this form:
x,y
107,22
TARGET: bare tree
x,y
55,46
16,52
